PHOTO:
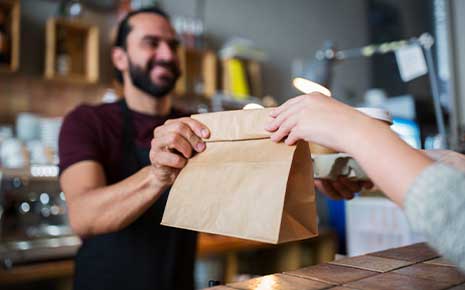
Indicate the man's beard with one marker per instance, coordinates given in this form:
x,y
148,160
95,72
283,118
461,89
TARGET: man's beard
x,y
141,79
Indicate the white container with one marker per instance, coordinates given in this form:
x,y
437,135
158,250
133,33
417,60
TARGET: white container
x,y
49,131
27,125
331,166
12,154
375,224
37,153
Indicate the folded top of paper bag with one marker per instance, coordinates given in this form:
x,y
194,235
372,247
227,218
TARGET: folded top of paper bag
x,y
236,125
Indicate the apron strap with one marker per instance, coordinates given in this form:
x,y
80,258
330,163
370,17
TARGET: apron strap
x,y
129,146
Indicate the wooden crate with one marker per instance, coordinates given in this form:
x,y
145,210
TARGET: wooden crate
x,y
72,51
11,13
199,73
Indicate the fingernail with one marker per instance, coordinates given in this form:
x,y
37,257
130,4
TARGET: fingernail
x,y
272,112
205,133
200,146
270,126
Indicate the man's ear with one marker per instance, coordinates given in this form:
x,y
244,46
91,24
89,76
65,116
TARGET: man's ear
x,y
119,58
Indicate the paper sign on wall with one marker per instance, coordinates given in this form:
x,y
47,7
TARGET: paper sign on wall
x,y
411,62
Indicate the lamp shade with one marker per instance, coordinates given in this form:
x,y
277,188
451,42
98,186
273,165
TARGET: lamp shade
x,y
315,78
307,86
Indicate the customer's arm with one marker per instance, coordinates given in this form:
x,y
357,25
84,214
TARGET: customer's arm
x,y
433,194
435,207
448,157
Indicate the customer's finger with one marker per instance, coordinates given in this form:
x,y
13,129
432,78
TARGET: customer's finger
x,y
275,112
277,122
293,137
284,129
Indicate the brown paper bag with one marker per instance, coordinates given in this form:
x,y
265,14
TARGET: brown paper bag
x,y
244,185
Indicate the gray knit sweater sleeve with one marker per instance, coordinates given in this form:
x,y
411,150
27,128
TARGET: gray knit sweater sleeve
x,y
435,207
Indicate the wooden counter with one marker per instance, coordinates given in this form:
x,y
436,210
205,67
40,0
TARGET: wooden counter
x,y
324,247
415,267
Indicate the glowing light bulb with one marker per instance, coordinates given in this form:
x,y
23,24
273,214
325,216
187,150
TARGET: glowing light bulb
x,y
307,87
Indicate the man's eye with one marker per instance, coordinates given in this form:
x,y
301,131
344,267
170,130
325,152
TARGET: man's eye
x,y
173,45
153,43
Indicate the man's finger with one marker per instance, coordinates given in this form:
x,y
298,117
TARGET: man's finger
x,y
170,142
367,184
342,190
168,159
325,187
353,185
177,142
186,132
198,128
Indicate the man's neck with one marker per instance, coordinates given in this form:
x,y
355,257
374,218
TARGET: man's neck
x,y
143,103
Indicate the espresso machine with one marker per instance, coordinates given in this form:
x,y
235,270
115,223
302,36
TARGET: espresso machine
x,y
33,216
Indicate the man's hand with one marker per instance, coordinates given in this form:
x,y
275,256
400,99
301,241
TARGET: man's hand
x,y
342,188
172,144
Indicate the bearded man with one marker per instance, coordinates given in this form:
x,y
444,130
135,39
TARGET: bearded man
x,y
118,160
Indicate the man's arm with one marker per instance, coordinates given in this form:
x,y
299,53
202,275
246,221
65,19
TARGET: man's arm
x,y
97,208
342,188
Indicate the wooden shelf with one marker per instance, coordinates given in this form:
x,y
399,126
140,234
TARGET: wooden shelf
x,y
72,49
209,244
10,10
199,72
37,272
32,173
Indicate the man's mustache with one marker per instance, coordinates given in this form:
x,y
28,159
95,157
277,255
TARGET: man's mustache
x,y
171,66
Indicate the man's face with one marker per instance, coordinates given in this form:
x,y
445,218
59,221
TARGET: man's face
x,y
151,48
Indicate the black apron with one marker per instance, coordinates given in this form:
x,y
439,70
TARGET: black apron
x,y
144,255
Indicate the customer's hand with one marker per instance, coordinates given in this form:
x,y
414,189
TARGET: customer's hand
x,y
172,144
342,188
316,118
320,119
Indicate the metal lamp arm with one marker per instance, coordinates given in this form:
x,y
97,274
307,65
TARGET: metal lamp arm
x,y
425,41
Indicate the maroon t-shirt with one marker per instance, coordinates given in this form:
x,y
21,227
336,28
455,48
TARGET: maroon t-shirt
x,y
96,132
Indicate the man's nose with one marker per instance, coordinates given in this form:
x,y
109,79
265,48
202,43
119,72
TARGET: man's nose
x,y
165,52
